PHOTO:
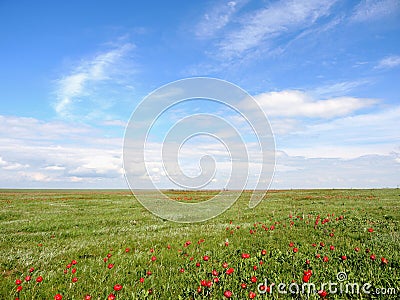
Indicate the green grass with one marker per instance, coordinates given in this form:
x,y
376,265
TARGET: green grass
x,y
48,229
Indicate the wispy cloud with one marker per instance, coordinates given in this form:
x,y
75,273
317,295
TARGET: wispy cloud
x,y
271,22
73,87
389,62
294,103
370,10
217,18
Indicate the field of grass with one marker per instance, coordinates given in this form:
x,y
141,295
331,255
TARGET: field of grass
x,y
105,245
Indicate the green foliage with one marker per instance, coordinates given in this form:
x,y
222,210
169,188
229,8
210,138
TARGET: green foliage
x,y
46,230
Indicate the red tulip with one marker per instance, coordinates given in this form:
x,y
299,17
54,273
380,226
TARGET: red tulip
x,y
263,252
153,258
325,259
19,288
74,279
88,297
243,285
344,257
74,262
252,295
18,281
253,279
111,297
117,287
228,294
295,250
31,270
39,279
373,257
206,258
110,266
58,297
245,255
384,261
322,294
230,271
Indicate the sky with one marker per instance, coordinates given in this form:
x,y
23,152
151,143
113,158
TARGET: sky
x,y
326,74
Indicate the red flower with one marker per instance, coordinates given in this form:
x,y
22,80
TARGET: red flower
x,y
356,249
182,270
111,297
252,295
88,297
28,278
214,272
39,279
230,271
325,259
263,252
18,281
370,230
206,258
253,279
295,250
58,297
243,285
373,257
141,279
344,257
31,270
225,265
291,244
74,262
74,279
73,271
110,266
384,261
153,258
228,294
19,288
127,250
117,287
322,294
245,255
332,247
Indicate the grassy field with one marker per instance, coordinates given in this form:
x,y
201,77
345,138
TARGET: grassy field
x,y
105,244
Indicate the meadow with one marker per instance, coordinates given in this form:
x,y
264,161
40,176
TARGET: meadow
x,y
100,244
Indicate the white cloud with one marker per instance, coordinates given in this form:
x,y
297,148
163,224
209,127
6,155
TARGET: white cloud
x,y
294,103
368,10
102,68
374,133
389,62
271,22
217,18
370,171
35,153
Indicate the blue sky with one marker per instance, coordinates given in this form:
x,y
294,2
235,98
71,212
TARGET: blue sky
x,y
326,74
